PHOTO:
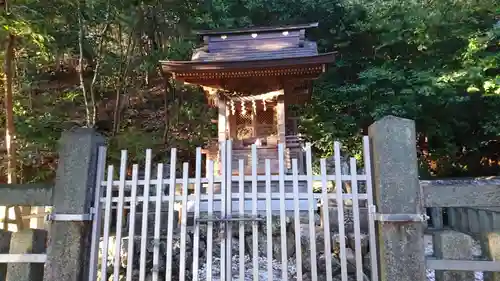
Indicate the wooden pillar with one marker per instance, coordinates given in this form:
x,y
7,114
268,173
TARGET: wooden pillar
x,y
222,125
222,131
280,114
254,124
281,121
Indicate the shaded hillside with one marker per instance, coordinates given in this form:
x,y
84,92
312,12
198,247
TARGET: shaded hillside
x,y
51,106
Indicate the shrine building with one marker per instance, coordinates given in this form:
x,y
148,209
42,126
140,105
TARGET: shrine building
x,y
251,76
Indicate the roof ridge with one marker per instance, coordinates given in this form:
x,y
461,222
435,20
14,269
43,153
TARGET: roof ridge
x,y
256,29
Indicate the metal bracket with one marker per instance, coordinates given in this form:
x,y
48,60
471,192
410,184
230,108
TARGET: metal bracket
x,y
397,217
401,217
69,217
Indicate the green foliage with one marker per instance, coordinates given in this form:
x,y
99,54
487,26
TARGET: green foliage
x,y
433,61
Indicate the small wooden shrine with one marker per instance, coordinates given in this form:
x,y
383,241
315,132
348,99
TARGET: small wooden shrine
x,y
251,75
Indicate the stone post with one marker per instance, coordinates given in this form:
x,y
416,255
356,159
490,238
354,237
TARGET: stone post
x,y
437,217
28,241
401,255
453,245
473,218
452,217
69,246
464,220
490,244
490,241
5,237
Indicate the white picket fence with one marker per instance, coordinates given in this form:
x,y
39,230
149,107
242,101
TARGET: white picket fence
x,y
215,201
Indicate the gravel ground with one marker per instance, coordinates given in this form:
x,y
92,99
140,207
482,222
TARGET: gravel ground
x,y
276,264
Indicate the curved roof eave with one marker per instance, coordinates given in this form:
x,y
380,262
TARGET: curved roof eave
x,y
201,66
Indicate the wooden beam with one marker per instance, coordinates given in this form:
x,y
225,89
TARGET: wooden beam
x,y
280,122
26,194
461,193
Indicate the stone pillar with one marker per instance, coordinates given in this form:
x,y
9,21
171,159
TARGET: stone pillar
x,y
437,217
485,222
29,241
452,217
453,245
396,186
69,246
473,218
490,244
5,237
464,220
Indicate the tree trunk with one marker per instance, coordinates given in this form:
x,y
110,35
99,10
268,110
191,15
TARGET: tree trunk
x,y
116,113
81,69
167,99
10,131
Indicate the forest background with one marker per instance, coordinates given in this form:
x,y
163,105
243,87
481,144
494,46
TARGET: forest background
x,y
95,63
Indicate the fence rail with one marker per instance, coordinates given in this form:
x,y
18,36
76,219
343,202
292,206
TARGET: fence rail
x,y
462,265
23,258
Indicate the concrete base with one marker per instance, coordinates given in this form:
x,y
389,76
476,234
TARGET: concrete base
x,y
453,245
490,245
5,237
29,241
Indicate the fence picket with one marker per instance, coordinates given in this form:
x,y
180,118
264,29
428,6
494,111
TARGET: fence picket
x,y
131,229
284,254
184,207
312,223
340,210
156,248
170,219
107,222
145,204
298,246
357,230
119,215
241,237
224,186
229,206
255,229
210,176
326,221
196,235
269,221
371,219
96,223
